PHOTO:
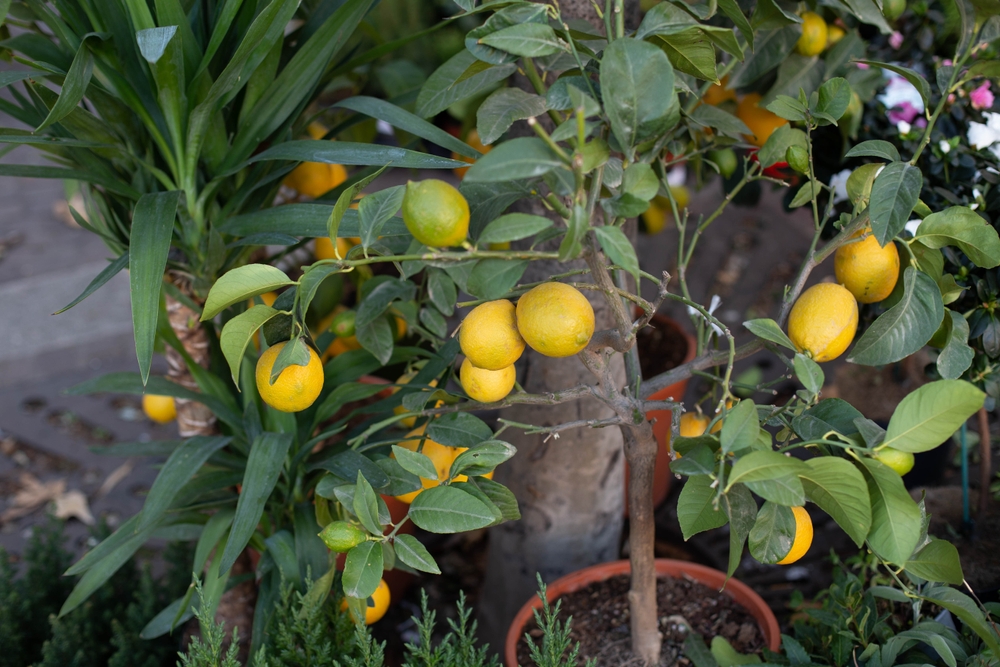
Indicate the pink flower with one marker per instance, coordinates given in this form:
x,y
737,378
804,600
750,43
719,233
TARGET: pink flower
x,y
981,97
905,112
896,39
862,65
946,62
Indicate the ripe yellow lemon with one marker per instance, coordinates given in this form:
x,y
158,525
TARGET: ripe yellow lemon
x,y
440,455
161,409
484,385
435,213
762,122
812,41
296,388
803,536
834,33
823,321
555,319
655,218
380,604
323,247
900,462
489,337
717,93
315,179
693,424
866,269
473,140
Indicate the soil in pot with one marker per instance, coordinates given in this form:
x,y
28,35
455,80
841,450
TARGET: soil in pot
x,y
600,614
660,349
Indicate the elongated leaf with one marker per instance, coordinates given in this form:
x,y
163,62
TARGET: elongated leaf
x,y
408,122
32,171
494,278
664,18
762,465
957,355
931,414
446,509
74,86
267,457
966,609
904,328
241,284
365,505
530,40
895,517
741,508
918,81
723,121
637,81
482,459
524,157
773,533
182,465
770,50
363,569
809,373
348,463
874,148
695,511
893,196
961,226
376,209
619,249
513,227
459,78
786,490
768,329
839,489
239,331
103,277
506,105
937,561
690,51
740,428
796,73
500,496
413,553
351,153
459,429
149,243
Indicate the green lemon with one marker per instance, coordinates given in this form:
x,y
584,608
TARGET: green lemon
x,y
341,536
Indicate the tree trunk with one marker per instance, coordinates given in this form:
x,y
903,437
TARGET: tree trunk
x,y
193,418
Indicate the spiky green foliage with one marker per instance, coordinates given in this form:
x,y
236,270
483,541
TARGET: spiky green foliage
x,y
457,649
206,650
306,634
556,648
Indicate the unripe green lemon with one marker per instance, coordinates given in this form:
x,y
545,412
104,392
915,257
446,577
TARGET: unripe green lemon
x,y
893,9
435,213
343,324
900,462
725,160
797,158
341,536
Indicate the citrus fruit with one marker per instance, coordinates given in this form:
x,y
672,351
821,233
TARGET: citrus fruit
x,y
823,321
812,41
489,337
762,123
296,388
555,319
440,455
473,140
803,536
268,298
341,536
718,424
323,247
435,213
725,160
405,378
465,478
798,159
379,604
484,385
893,9
866,269
314,179
693,424
834,33
717,93
343,324
161,409
654,218
900,462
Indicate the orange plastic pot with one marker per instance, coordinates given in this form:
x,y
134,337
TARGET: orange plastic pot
x,y
665,567
661,427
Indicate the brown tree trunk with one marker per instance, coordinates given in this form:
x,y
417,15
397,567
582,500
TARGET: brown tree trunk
x,y
193,418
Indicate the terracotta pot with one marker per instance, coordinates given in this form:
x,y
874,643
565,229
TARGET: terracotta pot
x,y
739,591
661,427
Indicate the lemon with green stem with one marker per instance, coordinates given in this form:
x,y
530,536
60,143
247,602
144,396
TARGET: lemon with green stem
x,y
436,213
296,388
823,321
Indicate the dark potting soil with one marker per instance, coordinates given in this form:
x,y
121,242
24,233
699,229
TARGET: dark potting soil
x,y
661,348
600,615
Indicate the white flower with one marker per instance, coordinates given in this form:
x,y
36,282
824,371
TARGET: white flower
x,y
976,194
383,127
677,175
986,135
944,146
903,127
912,225
839,184
899,90
712,307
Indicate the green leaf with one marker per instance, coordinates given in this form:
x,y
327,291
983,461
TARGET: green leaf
x,y
741,508
786,490
904,328
348,463
264,465
788,108
740,427
182,465
773,533
637,83
500,496
241,284
482,459
294,353
74,86
404,120
724,38
499,111
699,460
149,244
691,52
957,355
494,278
375,302
774,14
961,226
239,331
351,153
830,414
769,330
524,157
104,276
732,9
806,194
446,85
415,462
894,194
400,481
874,148
937,561
931,414
839,489
363,570
895,517
664,18
808,372
445,509
796,73
695,510
32,171
344,202
512,227
834,98
529,40
618,249
869,12
772,47
366,505
459,429
376,209
413,553
918,81
576,230
762,465
966,609
376,337
718,119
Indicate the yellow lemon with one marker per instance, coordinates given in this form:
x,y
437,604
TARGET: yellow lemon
x,y
812,41
489,337
693,424
380,604
823,321
866,269
435,213
900,462
315,179
296,388
717,93
555,319
473,140
323,247
484,385
161,409
762,122
440,455
654,218
803,536
408,422
834,33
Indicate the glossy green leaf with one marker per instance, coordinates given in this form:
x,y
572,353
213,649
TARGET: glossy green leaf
x,y
524,157
904,328
363,570
771,48
413,553
416,463
698,460
529,40
966,609
504,106
762,465
930,415
740,427
691,52
786,490
893,196
103,277
459,429
874,148
576,231
352,153
718,119
74,86
637,83
618,249
741,508
808,372
830,414
366,505
494,278
241,284
446,509
773,533
869,12
239,331
769,330
962,227
774,14
376,337
918,81
408,122
695,510
376,209
937,561
344,202
840,490
449,83
956,356
895,516
482,459
179,468
500,496
664,18
513,227
796,73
